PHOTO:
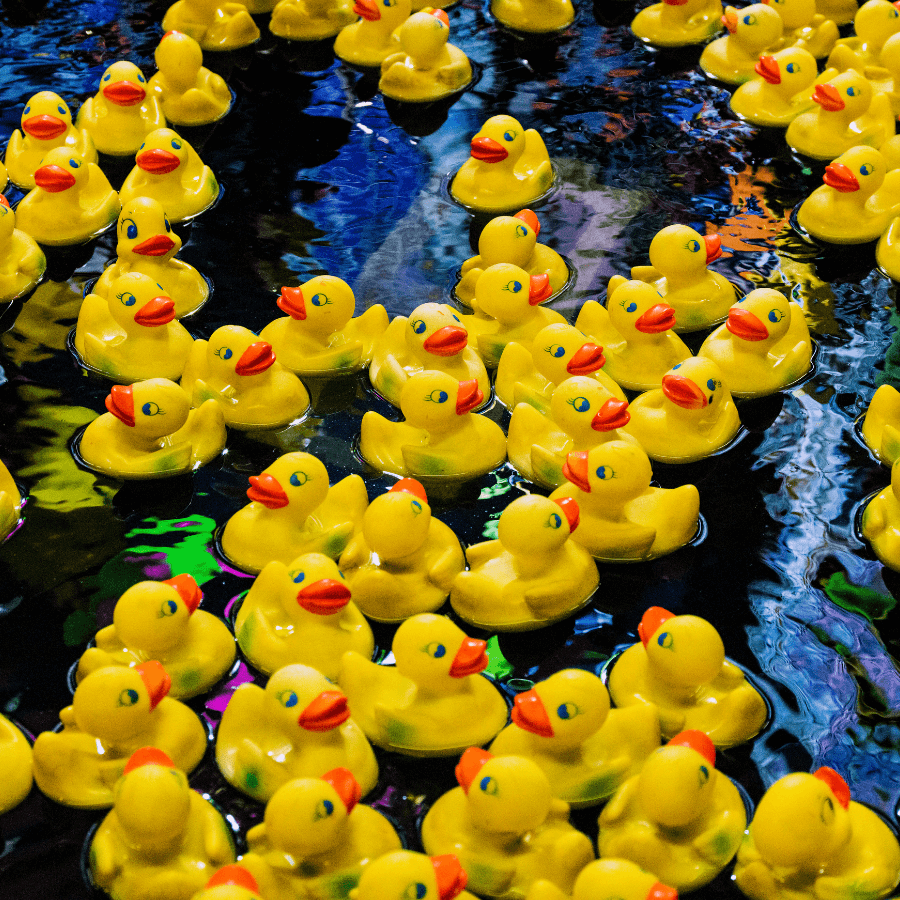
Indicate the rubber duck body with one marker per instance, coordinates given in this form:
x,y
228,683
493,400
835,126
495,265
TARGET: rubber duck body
x,y
216,26
310,20
294,511
808,838
319,336
587,751
679,665
10,503
873,23
161,839
805,27
231,882
505,827
150,431
299,726
623,518
679,817
22,262
403,561
372,39
881,425
534,16
115,711
240,372
751,32
881,522
763,347
533,575
402,874
17,760
608,879
160,620
433,703
678,24
46,124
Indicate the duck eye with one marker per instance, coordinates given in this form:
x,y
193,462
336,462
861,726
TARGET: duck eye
x,y
324,808
509,135
513,287
168,226
488,786
127,299
390,2
521,231
131,232
151,409
320,300
865,169
107,76
703,775
436,649
176,145
567,710
693,246
554,521
416,507
604,473
298,577
26,111
418,326
74,163
555,350
712,384
665,640
792,67
437,396
851,91
140,79
299,478
287,698
827,811
631,307
775,315
169,608
416,891
750,20
676,366
579,404
223,353
62,110
457,318
128,697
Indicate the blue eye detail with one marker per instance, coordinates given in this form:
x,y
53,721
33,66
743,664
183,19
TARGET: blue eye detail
x,y
514,287
457,318
288,699
631,307
176,145
62,110
851,91
567,711
488,785
436,649
704,775
438,396
224,353
678,366
521,231
127,299
298,479
168,226
26,111
554,521
324,808
151,409
711,384
580,404
775,315
128,697
749,20
418,326
509,135
556,351
107,76
791,68
169,608
416,507
320,300
665,640
604,473
421,890
693,246
865,170
131,231
74,164
299,577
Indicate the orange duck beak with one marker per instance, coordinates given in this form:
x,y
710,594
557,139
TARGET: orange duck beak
x,y
487,150
683,392
53,179
157,162
768,69
266,489
324,597
730,20
156,679
120,402
470,659
43,128
327,711
827,96
156,312
713,247
124,93
531,220
291,301
539,289
188,590
745,325
839,177
346,785
530,713
368,9
658,318
586,359
839,787
469,765
468,396
447,341
661,891
575,469
613,414
233,874
652,620
450,875
258,357
569,506
158,245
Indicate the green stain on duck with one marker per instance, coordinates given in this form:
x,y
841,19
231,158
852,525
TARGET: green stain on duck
x,y
399,734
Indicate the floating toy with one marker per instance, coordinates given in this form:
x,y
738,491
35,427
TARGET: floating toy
x,y
808,838
160,838
160,620
678,24
873,23
434,702
623,518
10,503
635,331
72,201
150,431
403,561
565,725
16,760
887,251
319,335
440,436
310,20
213,25
679,817
190,94
230,883
607,879
148,245
881,522
505,826
294,511
115,711
402,874
22,262
298,727
679,666
763,347
881,425
508,168
532,16
805,27
533,575
46,124
4,178
751,32
841,12
240,372
373,38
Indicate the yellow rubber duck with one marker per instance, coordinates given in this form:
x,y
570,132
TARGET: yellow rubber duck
x,y
215,25
887,251
403,874
440,436
805,27
232,882
161,839
433,703
71,203
679,666
403,561
292,511
46,124
240,372
534,17
635,331
16,759
881,425
319,335
148,245
168,169
679,817
310,20
22,262
881,522
678,23
4,178
133,333
508,168
115,711
808,839
565,725
316,839
874,22
623,518
763,347
298,727
505,827
607,879
752,31
11,503
189,93
372,38
533,575
160,620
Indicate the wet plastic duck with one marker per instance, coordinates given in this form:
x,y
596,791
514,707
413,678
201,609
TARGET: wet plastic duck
x,y
679,817
17,761
534,17
72,201
887,251
433,703
565,725
440,436
10,503
115,711
508,168
22,262
751,32
881,522
532,576
310,20
150,431
148,245
679,666
215,25
763,347
46,124
808,839
232,882
608,879
635,331
881,425
298,727
292,511
319,335
874,22
160,838
623,518
678,23
240,372
372,39
403,561
168,169
805,27
161,620
133,333
506,828
402,874
316,839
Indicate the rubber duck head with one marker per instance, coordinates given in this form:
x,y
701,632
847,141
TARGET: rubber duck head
x,y
163,152
434,400
231,882
581,406
695,386
235,352
613,472
501,141
537,525
434,330
61,170
507,293
754,27
860,171
847,95
137,301
325,304
46,116
434,652
794,13
619,879
636,308
763,316
679,250
319,587
560,351
790,70
509,239
389,14
396,524
179,57
7,221
424,35
303,697
403,875
890,56
153,408
875,22
144,231
123,84
298,481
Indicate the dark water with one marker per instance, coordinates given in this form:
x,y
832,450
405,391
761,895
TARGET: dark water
x,y
318,177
